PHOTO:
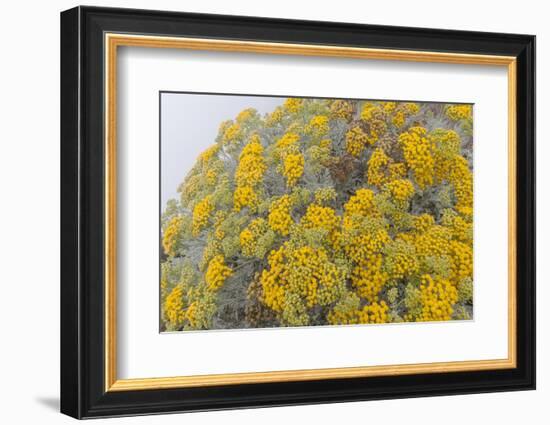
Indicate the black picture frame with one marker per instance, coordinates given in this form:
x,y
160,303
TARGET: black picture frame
x,y
83,392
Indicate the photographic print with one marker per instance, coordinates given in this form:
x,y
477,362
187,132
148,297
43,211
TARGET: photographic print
x,y
290,211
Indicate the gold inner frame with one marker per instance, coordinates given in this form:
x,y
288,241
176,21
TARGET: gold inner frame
x,y
113,41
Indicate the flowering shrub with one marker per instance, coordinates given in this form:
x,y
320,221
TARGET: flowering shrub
x,y
324,212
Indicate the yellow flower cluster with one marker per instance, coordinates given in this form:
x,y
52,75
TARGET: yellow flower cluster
x,y
377,164
362,239
432,241
202,306
288,144
244,196
371,111
397,170
275,117
462,260
245,115
325,195
232,133
465,289
279,218
374,313
418,155
459,112
213,247
401,189
174,312
303,276
217,273
293,105
369,278
324,218
374,115
317,126
438,297
349,313
208,154
191,314
389,107
288,140
341,109
461,229
201,214
211,176
361,247
293,168
410,108
462,180
249,236
251,168
362,203
446,146
402,265
345,311
423,222
402,112
171,235
356,141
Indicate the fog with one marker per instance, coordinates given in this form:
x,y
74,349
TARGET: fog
x,y
190,123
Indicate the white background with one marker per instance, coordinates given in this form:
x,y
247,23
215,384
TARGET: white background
x,y
29,225
256,350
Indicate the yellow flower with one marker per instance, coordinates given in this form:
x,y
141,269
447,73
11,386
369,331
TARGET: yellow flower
x,y
401,189
245,115
174,312
325,195
356,141
370,111
462,180
171,234
293,105
324,218
399,119
244,196
217,273
279,218
201,214
318,126
402,112
342,109
208,154
377,165
252,167
293,168
438,297
249,236
369,278
287,144
374,313
360,203
232,133
459,112
275,117
297,279
417,150
389,107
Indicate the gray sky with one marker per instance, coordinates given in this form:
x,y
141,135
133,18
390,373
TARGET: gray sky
x,y
190,123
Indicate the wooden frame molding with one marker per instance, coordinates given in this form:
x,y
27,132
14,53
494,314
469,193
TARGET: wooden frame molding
x,y
114,40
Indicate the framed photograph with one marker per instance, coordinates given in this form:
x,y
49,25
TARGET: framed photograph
x,y
261,212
